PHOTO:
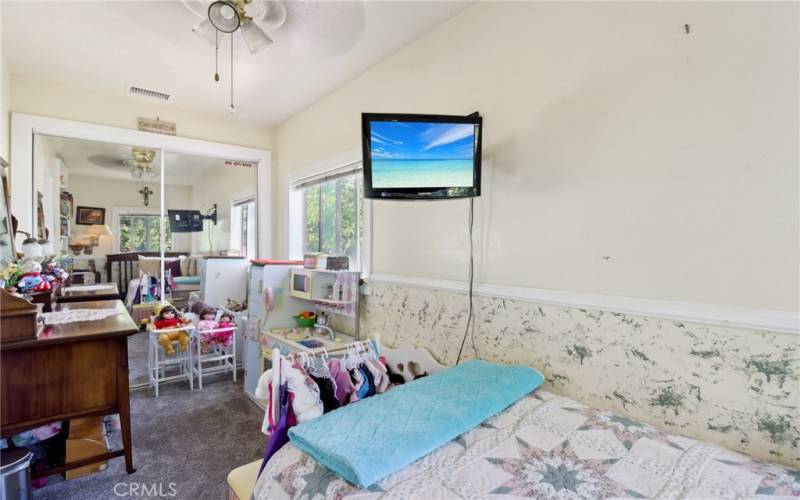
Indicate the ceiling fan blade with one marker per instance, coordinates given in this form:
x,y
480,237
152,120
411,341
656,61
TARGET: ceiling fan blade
x,y
105,160
268,14
206,31
255,38
197,7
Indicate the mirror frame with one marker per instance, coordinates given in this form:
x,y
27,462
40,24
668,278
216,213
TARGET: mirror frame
x,y
25,126
6,199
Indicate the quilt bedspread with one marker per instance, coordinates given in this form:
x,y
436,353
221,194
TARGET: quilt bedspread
x,y
547,446
366,442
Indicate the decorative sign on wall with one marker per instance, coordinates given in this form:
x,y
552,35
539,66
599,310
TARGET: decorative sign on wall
x,y
157,126
246,164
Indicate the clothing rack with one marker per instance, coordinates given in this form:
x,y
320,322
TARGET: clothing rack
x,y
276,366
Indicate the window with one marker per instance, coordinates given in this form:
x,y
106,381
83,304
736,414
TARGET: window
x,y
243,226
327,214
140,233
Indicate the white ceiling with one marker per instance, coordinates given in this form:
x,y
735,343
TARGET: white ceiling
x,y
104,160
112,45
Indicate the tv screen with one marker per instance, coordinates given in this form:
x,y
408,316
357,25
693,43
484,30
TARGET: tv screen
x,y
421,156
185,221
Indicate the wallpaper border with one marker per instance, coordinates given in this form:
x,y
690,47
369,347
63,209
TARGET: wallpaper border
x,y
709,314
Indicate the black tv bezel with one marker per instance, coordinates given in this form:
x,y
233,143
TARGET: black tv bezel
x,y
430,193
173,222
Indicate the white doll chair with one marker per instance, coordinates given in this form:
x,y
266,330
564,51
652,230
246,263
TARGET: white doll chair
x,y
219,358
158,361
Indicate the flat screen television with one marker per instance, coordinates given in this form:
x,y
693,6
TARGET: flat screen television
x,y
421,156
185,221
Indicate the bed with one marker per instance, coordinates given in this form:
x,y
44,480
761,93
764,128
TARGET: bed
x,y
542,446
123,269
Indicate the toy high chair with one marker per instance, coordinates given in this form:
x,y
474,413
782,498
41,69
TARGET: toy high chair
x,y
159,359
217,348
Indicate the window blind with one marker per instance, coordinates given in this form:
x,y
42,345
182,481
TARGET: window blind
x,y
328,175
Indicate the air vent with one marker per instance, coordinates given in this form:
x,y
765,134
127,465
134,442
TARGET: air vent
x,y
150,93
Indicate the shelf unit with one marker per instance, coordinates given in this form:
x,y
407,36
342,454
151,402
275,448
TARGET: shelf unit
x,y
323,283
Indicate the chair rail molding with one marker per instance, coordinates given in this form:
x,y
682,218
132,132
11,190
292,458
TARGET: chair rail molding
x,y
710,314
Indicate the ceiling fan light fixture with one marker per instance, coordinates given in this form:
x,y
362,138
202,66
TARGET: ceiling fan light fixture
x,y
136,173
254,37
206,31
224,16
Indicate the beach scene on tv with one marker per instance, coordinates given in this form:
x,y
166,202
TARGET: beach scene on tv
x,y
421,155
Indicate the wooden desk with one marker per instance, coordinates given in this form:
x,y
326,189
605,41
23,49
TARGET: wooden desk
x,y
88,295
47,298
71,370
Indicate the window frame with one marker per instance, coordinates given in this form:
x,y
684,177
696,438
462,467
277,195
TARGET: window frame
x,y
234,204
146,214
295,210
358,180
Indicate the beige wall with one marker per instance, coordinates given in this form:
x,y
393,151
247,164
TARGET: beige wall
x,y
5,95
109,193
627,157
39,97
223,186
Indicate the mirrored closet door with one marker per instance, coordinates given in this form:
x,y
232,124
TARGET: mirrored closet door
x,y
110,210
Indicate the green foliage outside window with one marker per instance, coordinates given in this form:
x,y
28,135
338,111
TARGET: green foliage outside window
x,y
140,233
334,217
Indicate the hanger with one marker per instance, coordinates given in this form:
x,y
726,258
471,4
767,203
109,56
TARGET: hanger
x,y
351,358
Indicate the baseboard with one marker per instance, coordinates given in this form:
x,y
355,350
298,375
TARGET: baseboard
x,y
710,314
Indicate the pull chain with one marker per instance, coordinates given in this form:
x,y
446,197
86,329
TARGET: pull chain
x,y
216,55
232,109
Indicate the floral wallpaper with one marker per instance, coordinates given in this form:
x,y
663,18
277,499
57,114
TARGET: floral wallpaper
x,y
737,388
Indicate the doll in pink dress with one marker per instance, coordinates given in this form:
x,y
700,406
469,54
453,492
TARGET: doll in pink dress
x,y
207,322
225,337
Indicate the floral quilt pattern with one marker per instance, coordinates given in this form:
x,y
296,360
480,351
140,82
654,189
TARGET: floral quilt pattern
x,y
547,446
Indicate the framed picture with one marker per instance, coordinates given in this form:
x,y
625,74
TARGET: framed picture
x,y
90,215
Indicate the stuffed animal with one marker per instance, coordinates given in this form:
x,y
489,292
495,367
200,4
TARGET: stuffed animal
x,y
167,317
32,280
58,273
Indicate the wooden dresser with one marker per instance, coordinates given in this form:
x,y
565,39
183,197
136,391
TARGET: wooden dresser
x,y
70,370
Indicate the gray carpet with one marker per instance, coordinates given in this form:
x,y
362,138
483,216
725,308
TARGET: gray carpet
x,y
189,438
137,358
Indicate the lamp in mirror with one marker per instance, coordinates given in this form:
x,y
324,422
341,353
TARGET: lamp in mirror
x,y
31,249
94,233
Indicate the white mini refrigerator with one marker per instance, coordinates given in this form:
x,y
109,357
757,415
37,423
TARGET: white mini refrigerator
x,y
269,306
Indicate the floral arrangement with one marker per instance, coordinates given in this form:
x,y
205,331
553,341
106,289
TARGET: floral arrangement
x,y
26,275
10,273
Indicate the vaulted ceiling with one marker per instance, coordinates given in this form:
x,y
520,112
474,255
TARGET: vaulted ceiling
x,y
113,45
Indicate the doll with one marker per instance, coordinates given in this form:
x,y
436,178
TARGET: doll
x,y
207,322
224,338
207,319
167,317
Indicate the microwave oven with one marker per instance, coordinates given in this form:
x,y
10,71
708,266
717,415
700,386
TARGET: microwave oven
x,y
300,283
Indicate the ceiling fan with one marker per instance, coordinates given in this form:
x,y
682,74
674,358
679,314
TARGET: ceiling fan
x,y
140,163
254,18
